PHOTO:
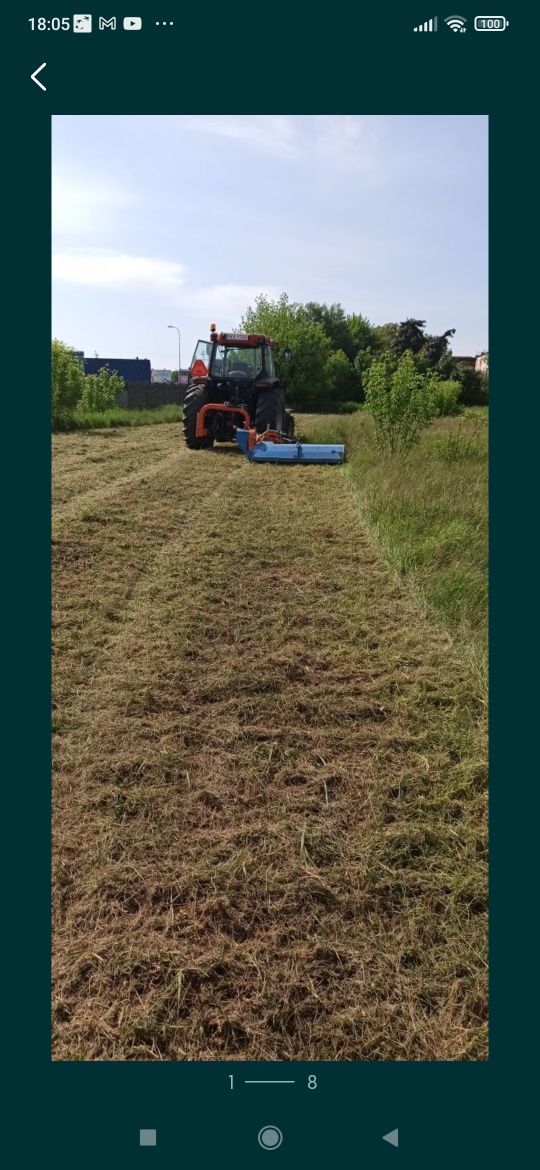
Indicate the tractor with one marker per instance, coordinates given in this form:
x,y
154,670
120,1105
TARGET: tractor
x,y
233,386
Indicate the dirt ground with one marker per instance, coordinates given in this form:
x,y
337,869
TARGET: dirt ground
x,y
269,772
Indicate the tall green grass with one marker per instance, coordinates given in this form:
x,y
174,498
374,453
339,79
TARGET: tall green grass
x,y
429,508
90,420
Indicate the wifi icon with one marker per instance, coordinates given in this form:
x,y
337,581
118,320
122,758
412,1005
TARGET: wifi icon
x,y
456,23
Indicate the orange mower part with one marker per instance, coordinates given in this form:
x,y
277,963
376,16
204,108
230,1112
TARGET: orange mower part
x,y
201,431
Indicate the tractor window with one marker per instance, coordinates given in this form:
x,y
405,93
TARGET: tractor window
x,y
203,350
237,361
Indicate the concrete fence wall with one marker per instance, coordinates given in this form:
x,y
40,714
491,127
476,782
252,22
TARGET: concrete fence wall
x,y
147,395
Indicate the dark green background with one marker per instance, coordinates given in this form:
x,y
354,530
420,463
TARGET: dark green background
x,y
324,61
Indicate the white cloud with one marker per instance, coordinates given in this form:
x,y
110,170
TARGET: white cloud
x,y
335,141
345,141
269,133
224,303
111,270
86,203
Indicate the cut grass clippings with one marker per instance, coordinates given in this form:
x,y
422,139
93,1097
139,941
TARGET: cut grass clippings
x,y
269,772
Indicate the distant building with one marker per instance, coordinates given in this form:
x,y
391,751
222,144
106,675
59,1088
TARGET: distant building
x,y
481,363
161,375
130,369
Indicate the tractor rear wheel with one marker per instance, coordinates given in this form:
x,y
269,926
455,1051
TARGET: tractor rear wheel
x,y
269,411
195,398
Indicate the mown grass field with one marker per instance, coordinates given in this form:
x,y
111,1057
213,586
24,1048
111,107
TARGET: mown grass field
x,y
269,755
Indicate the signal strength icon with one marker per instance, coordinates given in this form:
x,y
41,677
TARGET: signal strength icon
x,y
427,26
456,23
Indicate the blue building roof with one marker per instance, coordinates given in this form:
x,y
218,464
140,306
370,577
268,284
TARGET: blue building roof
x,y
131,369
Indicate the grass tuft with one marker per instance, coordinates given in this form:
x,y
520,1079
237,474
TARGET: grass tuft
x,y
92,420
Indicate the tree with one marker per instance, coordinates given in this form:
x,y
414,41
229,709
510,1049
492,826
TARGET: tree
x,y
174,375
101,390
304,378
429,348
334,322
362,335
401,400
67,381
447,367
362,364
347,333
384,336
343,382
436,347
409,336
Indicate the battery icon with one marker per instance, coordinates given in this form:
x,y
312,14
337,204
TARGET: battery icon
x,y
490,23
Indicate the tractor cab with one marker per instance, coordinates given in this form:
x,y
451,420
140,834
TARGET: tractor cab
x,y
233,356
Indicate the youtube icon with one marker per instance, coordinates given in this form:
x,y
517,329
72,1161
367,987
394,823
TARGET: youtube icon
x,y
132,23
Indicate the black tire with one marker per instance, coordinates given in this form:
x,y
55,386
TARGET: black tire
x,y
269,411
196,397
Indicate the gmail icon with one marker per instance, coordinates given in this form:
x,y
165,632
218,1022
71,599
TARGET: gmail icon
x,y
107,22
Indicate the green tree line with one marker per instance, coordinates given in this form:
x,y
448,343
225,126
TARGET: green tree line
x,y
334,352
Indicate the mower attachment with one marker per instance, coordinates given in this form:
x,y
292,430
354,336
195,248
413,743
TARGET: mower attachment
x,y
260,449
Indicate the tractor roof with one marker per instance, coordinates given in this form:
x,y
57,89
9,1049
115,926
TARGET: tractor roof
x,y
238,337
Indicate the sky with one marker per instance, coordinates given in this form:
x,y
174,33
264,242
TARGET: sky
x,y
184,219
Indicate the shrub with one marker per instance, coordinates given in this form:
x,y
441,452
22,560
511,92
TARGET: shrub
x,y
67,380
474,387
401,400
445,397
349,407
101,390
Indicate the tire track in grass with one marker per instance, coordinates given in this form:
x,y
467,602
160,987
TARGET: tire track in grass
x,y
98,495
270,817
85,460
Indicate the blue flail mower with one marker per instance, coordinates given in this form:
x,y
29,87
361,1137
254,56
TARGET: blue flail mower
x,y
260,449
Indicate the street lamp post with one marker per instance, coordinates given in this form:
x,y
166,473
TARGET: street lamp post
x,y
179,358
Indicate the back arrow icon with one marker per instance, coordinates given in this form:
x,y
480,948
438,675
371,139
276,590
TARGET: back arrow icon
x,y
34,76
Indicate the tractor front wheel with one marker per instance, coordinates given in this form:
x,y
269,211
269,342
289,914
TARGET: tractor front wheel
x,y
196,397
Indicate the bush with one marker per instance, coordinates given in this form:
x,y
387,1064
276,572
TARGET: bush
x,y
67,381
101,390
445,397
474,387
349,407
401,400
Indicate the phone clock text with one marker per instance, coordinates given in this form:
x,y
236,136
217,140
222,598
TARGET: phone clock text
x,y
50,23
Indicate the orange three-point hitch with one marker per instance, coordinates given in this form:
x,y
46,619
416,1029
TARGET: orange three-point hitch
x,y
201,431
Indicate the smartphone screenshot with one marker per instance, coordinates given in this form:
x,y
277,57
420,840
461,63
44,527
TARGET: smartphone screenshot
x,y
265,347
